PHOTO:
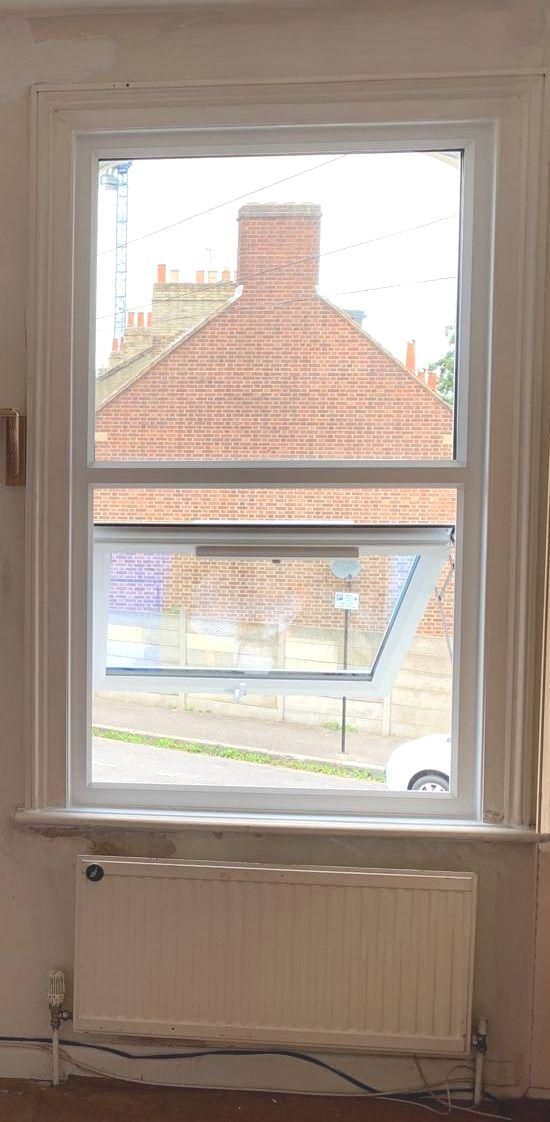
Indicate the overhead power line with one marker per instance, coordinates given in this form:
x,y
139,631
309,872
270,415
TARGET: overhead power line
x,y
316,256
226,202
401,284
372,288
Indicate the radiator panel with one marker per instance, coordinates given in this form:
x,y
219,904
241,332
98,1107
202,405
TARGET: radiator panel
x,y
241,953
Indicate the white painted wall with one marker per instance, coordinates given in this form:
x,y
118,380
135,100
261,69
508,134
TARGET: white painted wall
x,y
332,38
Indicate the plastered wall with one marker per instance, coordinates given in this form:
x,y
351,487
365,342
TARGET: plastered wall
x,y
36,871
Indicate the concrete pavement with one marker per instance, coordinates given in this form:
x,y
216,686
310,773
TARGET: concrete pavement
x,y
245,732
116,761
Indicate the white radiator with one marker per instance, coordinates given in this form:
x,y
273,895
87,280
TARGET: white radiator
x,y
252,954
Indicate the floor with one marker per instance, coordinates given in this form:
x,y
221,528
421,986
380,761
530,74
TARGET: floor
x,y
94,1100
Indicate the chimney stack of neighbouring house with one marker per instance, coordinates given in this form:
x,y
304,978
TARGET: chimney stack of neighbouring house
x,y
179,305
410,359
138,334
117,352
278,256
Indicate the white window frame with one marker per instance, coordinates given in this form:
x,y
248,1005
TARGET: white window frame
x,y
496,469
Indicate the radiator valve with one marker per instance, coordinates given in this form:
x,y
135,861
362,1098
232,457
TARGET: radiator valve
x,y
56,998
479,1041
479,1038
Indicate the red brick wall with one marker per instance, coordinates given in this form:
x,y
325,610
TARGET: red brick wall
x,y
272,595
278,252
278,373
383,507
299,381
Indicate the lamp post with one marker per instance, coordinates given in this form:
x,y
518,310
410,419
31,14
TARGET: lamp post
x,y
345,568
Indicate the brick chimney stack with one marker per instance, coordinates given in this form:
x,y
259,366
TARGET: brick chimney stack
x,y
278,256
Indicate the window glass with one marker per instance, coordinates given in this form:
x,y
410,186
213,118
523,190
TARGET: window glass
x,y
403,506
277,307
239,614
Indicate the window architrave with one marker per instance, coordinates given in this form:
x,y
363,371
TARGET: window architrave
x,y
506,109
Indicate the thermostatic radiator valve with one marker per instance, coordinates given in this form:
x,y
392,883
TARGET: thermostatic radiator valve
x,y
479,1041
56,998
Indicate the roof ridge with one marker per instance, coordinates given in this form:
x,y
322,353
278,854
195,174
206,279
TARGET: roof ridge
x,y
172,344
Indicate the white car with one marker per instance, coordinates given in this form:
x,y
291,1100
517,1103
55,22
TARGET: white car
x,y
420,765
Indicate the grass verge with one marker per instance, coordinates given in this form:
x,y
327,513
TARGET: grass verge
x,y
247,755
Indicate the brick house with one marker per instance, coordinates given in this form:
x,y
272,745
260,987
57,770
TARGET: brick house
x,y
279,372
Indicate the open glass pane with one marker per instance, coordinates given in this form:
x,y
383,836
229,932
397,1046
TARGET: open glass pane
x,y
236,613
277,307
260,613
313,651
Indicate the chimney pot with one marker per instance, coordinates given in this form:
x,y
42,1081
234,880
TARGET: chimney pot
x,y
174,275
410,359
115,345
149,319
161,274
226,275
141,319
212,276
199,276
131,319
432,379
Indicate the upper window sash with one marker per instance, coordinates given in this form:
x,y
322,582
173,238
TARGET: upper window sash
x,y
475,141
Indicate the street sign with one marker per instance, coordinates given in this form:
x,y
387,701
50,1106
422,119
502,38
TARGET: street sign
x,y
347,600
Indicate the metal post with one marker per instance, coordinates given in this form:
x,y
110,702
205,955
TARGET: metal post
x,y
344,667
346,570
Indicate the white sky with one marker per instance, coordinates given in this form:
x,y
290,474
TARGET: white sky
x,y
361,196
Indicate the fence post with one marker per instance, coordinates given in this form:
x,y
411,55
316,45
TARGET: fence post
x,y
386,715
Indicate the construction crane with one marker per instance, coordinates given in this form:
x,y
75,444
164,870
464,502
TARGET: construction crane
x,y
114,176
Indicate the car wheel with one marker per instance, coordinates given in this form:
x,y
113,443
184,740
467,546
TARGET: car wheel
x,y
430,781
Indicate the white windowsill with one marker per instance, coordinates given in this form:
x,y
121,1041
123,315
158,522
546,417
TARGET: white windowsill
x,y
59,817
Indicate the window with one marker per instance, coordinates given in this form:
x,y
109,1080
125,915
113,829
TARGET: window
x,y
284,503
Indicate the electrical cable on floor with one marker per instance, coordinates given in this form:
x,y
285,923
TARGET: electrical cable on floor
x,y
413,1098
410,1100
